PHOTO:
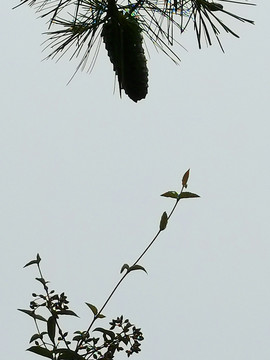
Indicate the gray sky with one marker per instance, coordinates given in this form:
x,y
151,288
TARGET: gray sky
x,y
81,176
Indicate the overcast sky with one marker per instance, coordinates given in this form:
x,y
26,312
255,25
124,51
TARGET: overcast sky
x,y
81,176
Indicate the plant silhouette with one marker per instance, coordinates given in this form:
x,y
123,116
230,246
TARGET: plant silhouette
x,y
52,341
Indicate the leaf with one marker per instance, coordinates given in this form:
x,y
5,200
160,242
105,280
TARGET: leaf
x,y
185,178
170,194
124,267
101,316
37,336
39,317
110,333
186,195
51,328
41,351
125,340
93,308
31,263
34,337
33,315
67,354
28,312
137,267
77,338
66,312
42,281
163,221
37,261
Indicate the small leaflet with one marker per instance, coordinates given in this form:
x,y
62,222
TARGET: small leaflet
x,y
185,178
170,194
163,221
124,267
93,308
137,267
41,351
186,195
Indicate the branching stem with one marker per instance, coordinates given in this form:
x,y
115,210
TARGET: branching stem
x,y
127,272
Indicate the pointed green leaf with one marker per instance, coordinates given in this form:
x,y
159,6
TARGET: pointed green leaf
x,y
186,195
185,178
41,351
37,261
33,315
51,328
37,336
124,267
77,338
163,221
34,337
39,317
93,308
170,194
125,340
110,333
101,316
66,312
137,267
31,263
67,354
42,281
28,312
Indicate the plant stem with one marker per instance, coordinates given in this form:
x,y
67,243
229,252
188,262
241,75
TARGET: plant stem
x,y
49,307
136,262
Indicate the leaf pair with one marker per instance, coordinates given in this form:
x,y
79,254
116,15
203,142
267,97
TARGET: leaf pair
x,y
33,262
182,195
132,268
95,311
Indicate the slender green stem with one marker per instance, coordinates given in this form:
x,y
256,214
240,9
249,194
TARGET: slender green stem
x,y
38,330
105,303
157,234
49,307
136,262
